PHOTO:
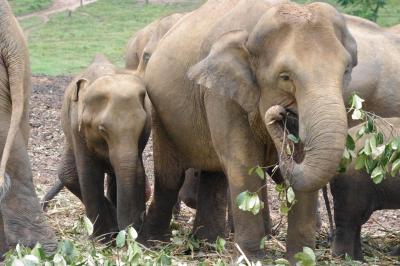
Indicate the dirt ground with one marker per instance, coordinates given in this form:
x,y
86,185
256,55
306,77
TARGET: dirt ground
x,y
46,146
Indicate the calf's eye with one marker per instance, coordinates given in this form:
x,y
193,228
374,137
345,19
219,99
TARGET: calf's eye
x,y
284,76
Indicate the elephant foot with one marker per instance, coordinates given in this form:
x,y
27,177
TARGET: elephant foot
x,y
151,240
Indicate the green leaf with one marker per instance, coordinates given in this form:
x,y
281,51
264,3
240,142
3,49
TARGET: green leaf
x,y
395,168
290,195
360,162
395,143
372,143
344,163
356,102
260,172
379,138
361,132
220,244
262,242
378,152
282,262
284,209
367,148
370,125
370,165
350,144
305,258
357,115
248,201
132,233
293,138
120,240
377,174
88,225
59,260
38,252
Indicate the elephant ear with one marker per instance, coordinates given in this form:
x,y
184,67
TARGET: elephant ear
x,y
76,95
78,86
227,71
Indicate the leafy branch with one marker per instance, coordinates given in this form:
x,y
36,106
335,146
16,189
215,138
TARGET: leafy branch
x,y
377,156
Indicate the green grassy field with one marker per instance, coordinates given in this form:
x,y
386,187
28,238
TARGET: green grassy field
x,y
23,7
68,42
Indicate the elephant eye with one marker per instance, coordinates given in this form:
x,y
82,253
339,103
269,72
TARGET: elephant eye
x,y
284,76
146,57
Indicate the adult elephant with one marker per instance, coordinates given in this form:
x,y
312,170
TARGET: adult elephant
x,y
375,78
21,219
211,80
106,121
144,42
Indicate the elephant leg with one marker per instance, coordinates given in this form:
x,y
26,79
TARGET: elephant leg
x,y
318,220
231,226
23,218
111,185
189,190
344,240
3,239
265,212
301,223
210,218
168,179
91,180
238,151
357,244
68,174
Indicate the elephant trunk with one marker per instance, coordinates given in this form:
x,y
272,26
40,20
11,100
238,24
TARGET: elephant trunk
x,y
130,189
322,130
14,55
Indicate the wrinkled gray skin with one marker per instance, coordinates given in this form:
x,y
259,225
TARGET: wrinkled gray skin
x,y
106,122
21,219
142,45
356,197
211,81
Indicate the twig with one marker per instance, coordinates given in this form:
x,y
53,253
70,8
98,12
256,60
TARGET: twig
x,y
244,256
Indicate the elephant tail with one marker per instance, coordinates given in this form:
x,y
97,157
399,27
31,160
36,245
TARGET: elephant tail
x,y
55,189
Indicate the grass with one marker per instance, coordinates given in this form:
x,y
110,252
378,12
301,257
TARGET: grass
x,y
68,41
23,7
388,16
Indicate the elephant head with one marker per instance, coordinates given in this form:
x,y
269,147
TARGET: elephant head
x,y
299,57
113,116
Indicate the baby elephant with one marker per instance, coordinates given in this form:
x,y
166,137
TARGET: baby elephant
x,y
106,122
356,197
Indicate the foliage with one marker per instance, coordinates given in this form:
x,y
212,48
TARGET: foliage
x,y
377,157
368,9
23,7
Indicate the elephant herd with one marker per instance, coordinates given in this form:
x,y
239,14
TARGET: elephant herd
x,y
213,87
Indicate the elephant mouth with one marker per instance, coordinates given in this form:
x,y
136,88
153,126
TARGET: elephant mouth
x,y
290,125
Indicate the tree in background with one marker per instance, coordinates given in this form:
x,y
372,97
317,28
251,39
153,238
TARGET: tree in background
x,y
364,8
